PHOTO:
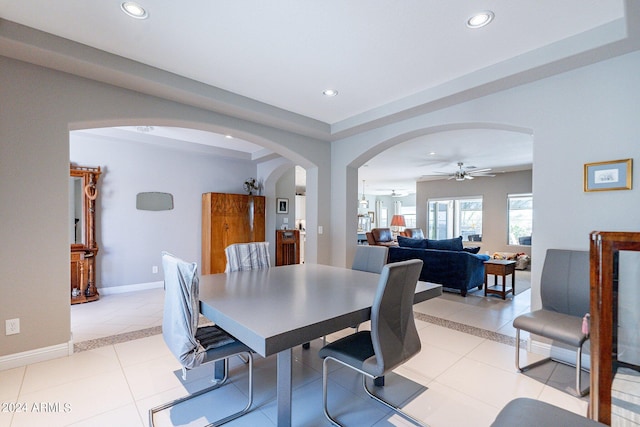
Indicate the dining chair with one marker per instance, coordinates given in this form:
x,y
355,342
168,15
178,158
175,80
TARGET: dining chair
x,y
393,338
247,256
565,295
190,344
370,258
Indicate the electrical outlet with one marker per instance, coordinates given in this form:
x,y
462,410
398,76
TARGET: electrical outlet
x,y
154,269
12,326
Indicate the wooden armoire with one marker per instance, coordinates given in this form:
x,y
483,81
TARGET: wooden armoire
x,y
228,219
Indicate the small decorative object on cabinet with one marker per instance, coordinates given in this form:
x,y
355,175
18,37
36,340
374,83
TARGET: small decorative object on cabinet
x,y
83,192
615,343
228,219
251,186
287,247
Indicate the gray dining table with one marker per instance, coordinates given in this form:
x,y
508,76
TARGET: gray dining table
x,y
275,309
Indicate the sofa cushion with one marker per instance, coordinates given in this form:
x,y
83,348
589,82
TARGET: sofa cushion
x,y
408,242
446,244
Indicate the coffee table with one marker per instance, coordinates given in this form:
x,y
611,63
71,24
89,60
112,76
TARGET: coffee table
x,y
500,267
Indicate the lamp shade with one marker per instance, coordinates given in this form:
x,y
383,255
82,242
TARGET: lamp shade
x,y
398,221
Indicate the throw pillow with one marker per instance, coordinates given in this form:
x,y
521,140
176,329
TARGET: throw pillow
x,y
446,244
408,242
472,249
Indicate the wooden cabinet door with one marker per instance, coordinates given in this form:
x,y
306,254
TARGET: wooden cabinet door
x,y
228,219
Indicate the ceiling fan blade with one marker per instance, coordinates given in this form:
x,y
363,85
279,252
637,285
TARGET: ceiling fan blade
x,y
483,174
479,170
467,176
451,177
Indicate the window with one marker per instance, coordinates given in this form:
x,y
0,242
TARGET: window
x,y
449,218
409,213
520,219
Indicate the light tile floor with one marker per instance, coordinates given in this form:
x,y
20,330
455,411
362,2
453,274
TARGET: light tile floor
x,y
463,375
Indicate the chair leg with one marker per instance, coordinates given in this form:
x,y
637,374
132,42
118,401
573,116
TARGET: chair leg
x,y
218,384
579,391
529,366
389,405
325,377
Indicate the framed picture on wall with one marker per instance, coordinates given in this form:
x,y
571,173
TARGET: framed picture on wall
x,y
610,175
282,206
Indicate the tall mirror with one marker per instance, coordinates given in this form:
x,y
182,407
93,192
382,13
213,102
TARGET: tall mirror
x,y
83,194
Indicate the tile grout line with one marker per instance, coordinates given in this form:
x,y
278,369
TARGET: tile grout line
x,y
467,329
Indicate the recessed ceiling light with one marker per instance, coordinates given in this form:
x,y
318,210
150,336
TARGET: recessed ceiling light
x,y
228,136
134,10
480,19
330,92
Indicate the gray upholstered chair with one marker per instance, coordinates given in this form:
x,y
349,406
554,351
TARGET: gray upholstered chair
x,y
370,258
393,338
525,412
564,289
190,344
247,256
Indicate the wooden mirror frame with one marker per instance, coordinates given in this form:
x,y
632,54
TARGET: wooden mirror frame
x,y
83,254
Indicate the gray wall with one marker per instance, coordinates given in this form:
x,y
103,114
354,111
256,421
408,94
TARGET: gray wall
x,y
131,240
494,192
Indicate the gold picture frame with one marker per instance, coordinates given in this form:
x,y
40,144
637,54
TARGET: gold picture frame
x,y
608,176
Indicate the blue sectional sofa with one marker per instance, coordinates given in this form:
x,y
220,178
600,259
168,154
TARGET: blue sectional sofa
x,y
446,262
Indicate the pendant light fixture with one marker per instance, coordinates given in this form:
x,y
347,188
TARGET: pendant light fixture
x,y
363,202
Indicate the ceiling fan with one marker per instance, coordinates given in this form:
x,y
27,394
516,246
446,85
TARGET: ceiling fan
x,y
468,172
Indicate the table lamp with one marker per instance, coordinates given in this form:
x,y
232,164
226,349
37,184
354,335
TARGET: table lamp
x,y
397,222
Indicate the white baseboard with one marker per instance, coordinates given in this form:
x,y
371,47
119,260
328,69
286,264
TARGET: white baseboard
x,y
37,355
559,353
130,288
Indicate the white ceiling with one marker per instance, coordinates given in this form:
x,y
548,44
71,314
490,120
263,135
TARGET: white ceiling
x,y
398,168
384,58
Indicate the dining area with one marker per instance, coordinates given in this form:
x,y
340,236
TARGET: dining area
x,y
279,316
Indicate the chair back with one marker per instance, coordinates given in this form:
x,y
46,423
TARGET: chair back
x,y
180,316
370,258
382,235
414,233
393,330
564,284
247,256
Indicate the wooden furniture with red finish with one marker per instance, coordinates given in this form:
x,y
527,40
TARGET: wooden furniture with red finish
x,y
500,267
84,249
603,250
228,219
287,247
